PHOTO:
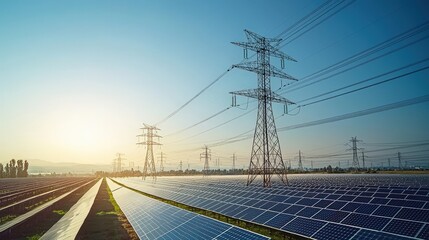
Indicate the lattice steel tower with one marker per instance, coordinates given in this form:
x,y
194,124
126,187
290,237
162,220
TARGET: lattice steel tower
x,y
355,149
266,157
206,155
149,132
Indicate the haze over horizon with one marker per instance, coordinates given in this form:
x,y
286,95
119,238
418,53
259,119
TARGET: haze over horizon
x,y
78,79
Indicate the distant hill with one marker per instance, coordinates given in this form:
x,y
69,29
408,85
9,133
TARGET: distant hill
x,y
42,166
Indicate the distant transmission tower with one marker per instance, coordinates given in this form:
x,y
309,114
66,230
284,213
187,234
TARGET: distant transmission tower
x,y
300,161
399,160
206,155
266,157
180,165
161,162
149,132
117,163
234,158
355,149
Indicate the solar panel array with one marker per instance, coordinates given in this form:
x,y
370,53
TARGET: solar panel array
x,y
153,219
314,206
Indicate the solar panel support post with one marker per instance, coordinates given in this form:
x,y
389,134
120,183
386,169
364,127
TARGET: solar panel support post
x,y
266,158
149,133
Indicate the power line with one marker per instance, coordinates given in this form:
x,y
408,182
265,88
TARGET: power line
x,y
360,113
365,87
194,97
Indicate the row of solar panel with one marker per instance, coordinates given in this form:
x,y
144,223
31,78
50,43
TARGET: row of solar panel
x,y
319,214
152,219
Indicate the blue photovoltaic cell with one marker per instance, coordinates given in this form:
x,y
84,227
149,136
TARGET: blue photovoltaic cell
x,y
346,198
264,217
249,214
406,203
403,227
280,207
362,199
308,212
414,214
418,198
293,209
337,205
386,211
268,205
307,201
380,200
366,221
279,220
292,200
366,208
238,234
331,215
323,203
351,206
304,226
334,231
364,234
333,196
424,233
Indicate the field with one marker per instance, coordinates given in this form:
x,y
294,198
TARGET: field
x,y
312,206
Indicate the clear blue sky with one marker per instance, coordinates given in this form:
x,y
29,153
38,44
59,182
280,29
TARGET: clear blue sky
x,y
78,78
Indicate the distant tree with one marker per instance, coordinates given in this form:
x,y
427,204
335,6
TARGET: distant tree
x,y
1,170
25,168
7,170
329,169
12,169
19,168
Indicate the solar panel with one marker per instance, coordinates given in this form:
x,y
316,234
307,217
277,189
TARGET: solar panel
x,y
308,212
154,219
414,214
366,221
304,226
280,220
424,233
333,231
349,201
364,234
331,215
403,227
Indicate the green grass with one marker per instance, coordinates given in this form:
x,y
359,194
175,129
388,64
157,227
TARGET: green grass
x,y
112,201
34,237
6,218
106,213
59,212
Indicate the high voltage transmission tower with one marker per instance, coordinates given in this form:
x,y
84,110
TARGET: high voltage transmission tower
x,y
355,149
363,159
117,163
399,160
300,161
234,158
149,132
161,161
206,155
266,157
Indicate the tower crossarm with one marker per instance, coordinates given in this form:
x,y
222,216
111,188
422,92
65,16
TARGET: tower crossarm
x,y
260,93
253,66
